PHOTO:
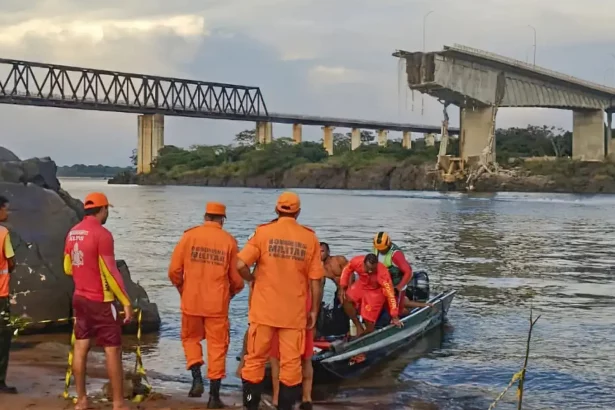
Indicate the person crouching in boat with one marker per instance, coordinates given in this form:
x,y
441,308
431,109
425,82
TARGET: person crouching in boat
x,y
393,258
368,293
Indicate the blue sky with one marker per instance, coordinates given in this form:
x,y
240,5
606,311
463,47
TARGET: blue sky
x,y
320,57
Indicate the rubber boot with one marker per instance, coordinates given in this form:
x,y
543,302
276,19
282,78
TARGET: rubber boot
x,y
214,395
251,395
288,396
197,382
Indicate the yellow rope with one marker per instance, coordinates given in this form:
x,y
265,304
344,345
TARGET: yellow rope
x,y
514,379
139,368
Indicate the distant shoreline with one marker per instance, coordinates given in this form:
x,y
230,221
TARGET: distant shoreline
x,y
565,176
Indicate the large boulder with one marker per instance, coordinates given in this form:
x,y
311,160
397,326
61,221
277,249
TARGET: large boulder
x,y
41,216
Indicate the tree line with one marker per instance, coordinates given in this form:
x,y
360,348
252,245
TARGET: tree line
x,y
245,156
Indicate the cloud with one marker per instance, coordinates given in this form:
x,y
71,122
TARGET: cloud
x,y
317,57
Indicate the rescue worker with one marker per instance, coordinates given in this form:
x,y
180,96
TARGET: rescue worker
x,y
7,265
89,257
394,260
288,269
306,366
369,293
204,270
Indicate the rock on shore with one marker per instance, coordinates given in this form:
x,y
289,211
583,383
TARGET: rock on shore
x,y
41,216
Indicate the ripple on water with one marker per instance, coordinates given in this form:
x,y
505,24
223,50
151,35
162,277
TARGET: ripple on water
x,y
503,253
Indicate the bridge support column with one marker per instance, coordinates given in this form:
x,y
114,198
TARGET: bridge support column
x,y
150,140
476,125
355,139
610,144
264,132
297,134
382,138
588,135
430,140
327,138
406,141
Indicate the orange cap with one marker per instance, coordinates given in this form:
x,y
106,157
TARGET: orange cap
x,y
95,200
215,208
288,202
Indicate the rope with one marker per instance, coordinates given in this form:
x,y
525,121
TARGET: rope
x,y
139,368
19,324
514,379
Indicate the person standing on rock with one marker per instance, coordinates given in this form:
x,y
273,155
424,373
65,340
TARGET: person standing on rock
x,y
89,257
7,265
204,270
287,255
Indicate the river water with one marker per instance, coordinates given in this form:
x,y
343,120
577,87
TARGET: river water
x,y
503,253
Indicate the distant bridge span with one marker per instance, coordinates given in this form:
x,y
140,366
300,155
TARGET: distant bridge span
x,y
60,86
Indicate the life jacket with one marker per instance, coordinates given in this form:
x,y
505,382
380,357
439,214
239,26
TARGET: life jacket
x,y
387,260
4,265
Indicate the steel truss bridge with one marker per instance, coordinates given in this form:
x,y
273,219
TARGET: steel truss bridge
x,y
60,86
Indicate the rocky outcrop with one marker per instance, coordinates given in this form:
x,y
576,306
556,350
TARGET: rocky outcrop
x,y
41,216
567,177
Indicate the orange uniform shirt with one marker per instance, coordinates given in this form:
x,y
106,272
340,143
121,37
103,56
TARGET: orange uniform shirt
x,y
380,280
89,256
287,255
204,267
4,261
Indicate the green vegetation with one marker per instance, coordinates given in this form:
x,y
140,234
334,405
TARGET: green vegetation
x,y
246,158
91,171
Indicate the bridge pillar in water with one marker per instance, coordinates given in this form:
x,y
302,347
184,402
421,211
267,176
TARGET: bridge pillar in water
x,y
297,134
355,139
327,138
150,140
406,140
264,132
588,138
430,140
476,125
382,138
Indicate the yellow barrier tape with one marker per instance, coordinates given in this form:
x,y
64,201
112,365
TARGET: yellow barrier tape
x,y
139,368
19,324
514,379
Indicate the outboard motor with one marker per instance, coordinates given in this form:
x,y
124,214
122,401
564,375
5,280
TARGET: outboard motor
x,y
418,288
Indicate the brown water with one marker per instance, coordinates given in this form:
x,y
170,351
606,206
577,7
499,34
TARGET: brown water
x,y
503,254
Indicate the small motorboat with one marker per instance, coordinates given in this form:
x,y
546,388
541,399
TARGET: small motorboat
x,y
344,359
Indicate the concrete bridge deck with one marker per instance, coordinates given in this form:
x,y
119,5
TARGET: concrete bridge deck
x,y
480,82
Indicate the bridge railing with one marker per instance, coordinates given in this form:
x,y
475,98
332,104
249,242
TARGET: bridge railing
x,y
72,87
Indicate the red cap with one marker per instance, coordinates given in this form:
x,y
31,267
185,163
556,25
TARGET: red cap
x,y
96,200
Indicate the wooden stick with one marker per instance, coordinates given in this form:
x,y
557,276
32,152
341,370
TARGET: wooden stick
x,y
527,356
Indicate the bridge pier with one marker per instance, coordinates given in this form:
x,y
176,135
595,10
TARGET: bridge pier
x,y
476,125
297,133
382,138
150,140
327,138
355,139
588,137
264,132
406,141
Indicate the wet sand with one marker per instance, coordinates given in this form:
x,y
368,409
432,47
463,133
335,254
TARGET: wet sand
x,y
38,371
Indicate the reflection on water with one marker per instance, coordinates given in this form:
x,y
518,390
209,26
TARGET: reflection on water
x,y
503,253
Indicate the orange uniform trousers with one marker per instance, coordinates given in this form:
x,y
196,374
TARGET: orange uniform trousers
x,y
292,345
216,331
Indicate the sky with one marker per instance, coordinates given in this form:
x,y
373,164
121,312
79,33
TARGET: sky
x,y
309,57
